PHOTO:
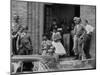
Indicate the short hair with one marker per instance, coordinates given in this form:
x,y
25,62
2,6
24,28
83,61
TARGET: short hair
x,y
77,18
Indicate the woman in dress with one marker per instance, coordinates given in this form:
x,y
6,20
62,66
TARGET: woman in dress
x,y
59,49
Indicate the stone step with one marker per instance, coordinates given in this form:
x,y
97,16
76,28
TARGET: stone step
x,y
86,63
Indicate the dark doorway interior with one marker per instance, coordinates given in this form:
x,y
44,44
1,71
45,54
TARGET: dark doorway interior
x,y
59,12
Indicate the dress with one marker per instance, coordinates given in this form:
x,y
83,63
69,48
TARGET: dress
x,y
59,49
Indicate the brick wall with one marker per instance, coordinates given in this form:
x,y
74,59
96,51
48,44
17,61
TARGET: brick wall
x,y
31,15
37,25
20,8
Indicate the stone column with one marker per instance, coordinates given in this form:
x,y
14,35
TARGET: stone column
x,y
37,26
41,22
33,26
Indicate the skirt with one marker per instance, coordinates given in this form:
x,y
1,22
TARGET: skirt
x,y
59,49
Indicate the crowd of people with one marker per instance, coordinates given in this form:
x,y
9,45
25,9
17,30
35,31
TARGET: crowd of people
x,y
58,41
82,37
55,43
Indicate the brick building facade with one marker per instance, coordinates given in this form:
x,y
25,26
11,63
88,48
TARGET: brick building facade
x,y
32,15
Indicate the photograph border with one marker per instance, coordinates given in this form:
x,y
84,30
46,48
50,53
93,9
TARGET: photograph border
x,y
59,70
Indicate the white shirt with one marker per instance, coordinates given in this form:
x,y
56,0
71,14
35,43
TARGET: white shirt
x,y
89,28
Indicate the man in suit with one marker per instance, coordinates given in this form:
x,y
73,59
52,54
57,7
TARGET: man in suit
x,y
79,32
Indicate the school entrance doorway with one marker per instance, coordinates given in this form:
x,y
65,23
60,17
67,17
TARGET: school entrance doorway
x,y
60,12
